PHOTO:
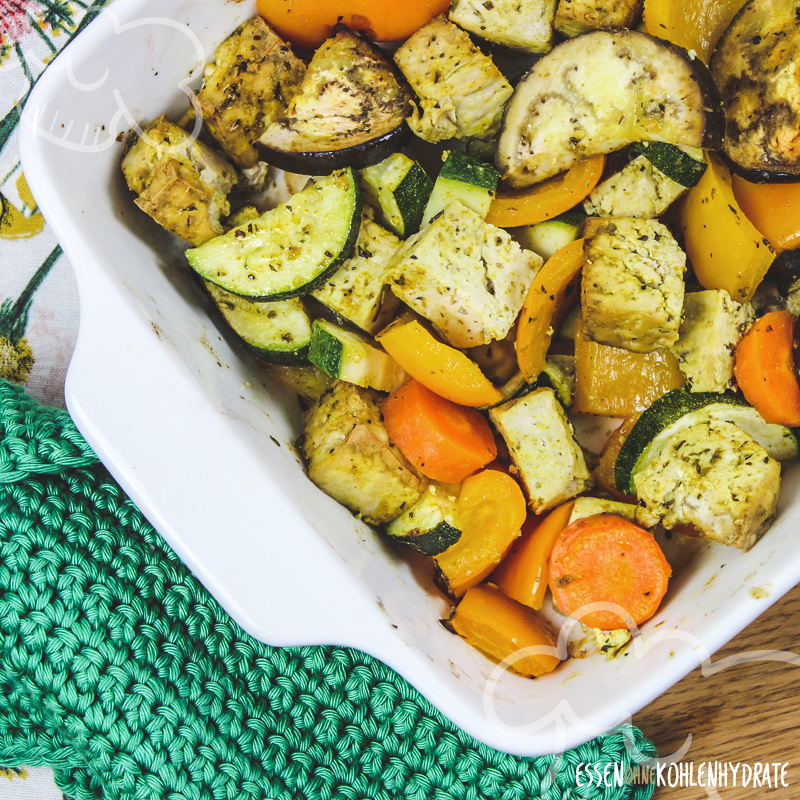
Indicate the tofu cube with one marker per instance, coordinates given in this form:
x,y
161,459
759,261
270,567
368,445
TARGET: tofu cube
x,y
711,328
461,92
181,183
467,277
639,190
715,477
350,458
632,285
519,24
575,17
542,445
358,291
254,77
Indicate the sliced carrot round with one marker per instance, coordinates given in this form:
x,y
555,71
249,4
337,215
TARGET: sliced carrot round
x,y
513,207
607,559
765,369
444,441
441,368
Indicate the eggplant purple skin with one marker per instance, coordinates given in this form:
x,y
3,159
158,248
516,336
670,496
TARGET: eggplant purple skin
x,y
324,162
759,175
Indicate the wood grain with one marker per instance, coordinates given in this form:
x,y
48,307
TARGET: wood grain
x,y
748,713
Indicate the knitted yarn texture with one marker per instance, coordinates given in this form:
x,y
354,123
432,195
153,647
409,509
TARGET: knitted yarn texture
x,y
121,672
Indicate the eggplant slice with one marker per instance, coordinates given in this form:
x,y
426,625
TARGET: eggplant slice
x,y
599,92
350,111
755,66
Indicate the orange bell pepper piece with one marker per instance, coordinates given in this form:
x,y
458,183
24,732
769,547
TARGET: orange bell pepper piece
x,y
554,291
523,574
490,511
548,199
499,626
441,368
774,208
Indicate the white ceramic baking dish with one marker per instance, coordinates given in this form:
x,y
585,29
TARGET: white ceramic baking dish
x,y
202,441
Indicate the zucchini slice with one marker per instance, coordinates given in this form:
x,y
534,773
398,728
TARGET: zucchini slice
x,y
684,165
289,250
548,237
350,110
398,189
278,331
429,525
680,409
559,375
599,92
464,178
755,67
353,358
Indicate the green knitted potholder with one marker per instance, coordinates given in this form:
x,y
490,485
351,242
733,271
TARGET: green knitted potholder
x,y
119,671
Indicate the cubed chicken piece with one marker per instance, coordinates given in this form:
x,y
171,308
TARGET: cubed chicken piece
x,y
639,190
580,16
180,182
542,445
715,477
350,458
632,285
711,328
520,24
253,79
461,92
467,277
358,291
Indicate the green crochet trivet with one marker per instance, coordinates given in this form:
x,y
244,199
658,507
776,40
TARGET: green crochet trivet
x,y
119,671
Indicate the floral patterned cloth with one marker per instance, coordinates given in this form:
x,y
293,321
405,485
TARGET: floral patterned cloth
x,y
38,296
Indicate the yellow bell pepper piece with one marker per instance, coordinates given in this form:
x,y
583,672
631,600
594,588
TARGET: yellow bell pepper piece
x,y
693,24
726,250
613,382
436,365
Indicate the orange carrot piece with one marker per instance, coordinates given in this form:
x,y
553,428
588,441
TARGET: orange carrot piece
x,y
764,369
499,627
490,511
444,441
553,292
548,199
607,559
524,574
774,208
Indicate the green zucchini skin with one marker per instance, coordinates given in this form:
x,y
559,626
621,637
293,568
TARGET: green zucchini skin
x,y
278,332
326,351
432,542
471,170
399,189
675,163
291,249
679,409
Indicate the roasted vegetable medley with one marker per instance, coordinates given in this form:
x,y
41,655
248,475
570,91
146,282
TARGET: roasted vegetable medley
x,y
452,260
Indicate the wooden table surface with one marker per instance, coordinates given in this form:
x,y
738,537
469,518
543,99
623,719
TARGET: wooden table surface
x,y
747,713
